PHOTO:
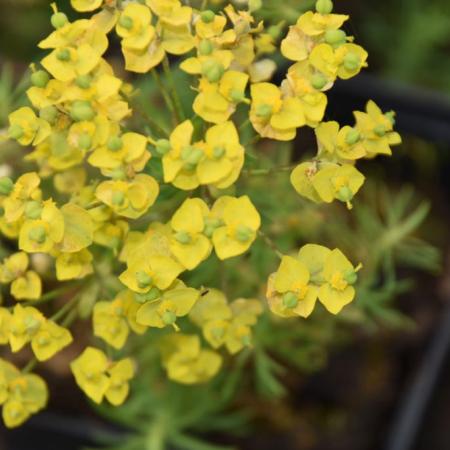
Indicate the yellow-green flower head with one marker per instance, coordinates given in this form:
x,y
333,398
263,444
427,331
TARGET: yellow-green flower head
x,y
211,306
71,181
119,373
175,39
152,271
186,362
112,233
22,395
273,115
78,228
25,323
89,370
127,151
289,291
112,320
130,199
74,266
53,93
164,310
241,221
188,244
352,58
171,12
43,234
86,135
49,339
339,182
86,5
339,275
376,129
26,128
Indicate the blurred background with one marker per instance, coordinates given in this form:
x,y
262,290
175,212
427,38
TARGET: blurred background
x,y
388,387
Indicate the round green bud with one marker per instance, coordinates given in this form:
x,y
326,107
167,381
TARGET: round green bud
x,y
6,185
153,294
38,234
118,174
236,95
218,152
290,300
205,47
243,233
380,130
43,341
15,131
218,333
83,81
163,146
352,61
84,142
264,111
118,198
344,194
324,6
207,16
353,136
33,210
49,114
183,237
58,20
40,78
208,231
144,280
246,340
169,317
63,54
351,277
195,156
214,72
81,110
126,22
391,117
31,324
114,144
319,81
335,37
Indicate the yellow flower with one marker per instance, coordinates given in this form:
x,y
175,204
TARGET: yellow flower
x,y
339,275
119,373
188,244
42,234
27,128
89,370
129,199
171,12
5,323
74,266
301,179
289,291
86,5
113,320
25,323
352,59
274,116
241,222
186,362
49,339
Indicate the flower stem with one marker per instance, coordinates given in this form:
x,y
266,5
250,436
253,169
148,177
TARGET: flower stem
x,y
173,90
270,243
259,172
167,99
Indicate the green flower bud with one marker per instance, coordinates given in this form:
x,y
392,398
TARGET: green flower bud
x,y
218,152
264,111
118,198
15,131
352,61
84,142
118,174
153,294
144,280
49,114
344,194
380,130
43,341
126,22
218,333
163,146
169,317
352,137
58,20
83,81
6,185
391,117
40,78
246,340
237,96
63,54
243,233
81,110
207,16
319,81
290,300
183,237
31,324
213,72
114,144
38,234
351,277
324,6
192,156
335,37
205,47
33,210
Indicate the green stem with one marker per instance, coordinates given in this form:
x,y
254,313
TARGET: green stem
x,y
30,365
173,90
270,243
167,99
204,5
65,309
154,126
259,172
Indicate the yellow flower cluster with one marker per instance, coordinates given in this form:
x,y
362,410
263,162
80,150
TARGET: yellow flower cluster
x,y
91,210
